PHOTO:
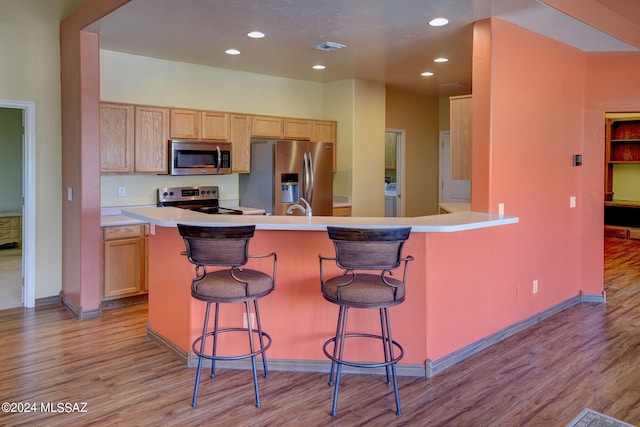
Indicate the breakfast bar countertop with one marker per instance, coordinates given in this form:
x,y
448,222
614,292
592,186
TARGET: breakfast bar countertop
x,y
171,216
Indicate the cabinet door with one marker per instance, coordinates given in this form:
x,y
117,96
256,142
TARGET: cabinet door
x,y
325,131
390,150
460,109
185,124
241,143
215,125
151,141
297,129
116,138
266,127
124,261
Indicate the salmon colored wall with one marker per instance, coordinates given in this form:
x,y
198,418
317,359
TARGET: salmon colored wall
x,y
80,81
528,102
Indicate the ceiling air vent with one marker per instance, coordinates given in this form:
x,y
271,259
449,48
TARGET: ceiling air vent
x,y
328,46
453,85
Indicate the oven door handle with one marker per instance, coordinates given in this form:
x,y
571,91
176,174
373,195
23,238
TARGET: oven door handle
x,y
219,158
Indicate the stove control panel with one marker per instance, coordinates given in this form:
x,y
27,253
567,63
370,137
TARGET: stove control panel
x,y
186,194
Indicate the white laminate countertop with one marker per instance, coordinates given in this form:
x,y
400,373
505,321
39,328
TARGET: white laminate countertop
x,y
169,217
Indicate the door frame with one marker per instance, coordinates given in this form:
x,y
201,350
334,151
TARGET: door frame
x,y
28,198
400,167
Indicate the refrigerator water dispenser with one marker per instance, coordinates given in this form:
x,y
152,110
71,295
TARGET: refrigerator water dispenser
x,y
289,188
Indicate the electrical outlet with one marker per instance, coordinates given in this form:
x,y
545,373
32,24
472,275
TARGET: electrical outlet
x,y
122,191
244,320
223,187
572,201
500,208
535,286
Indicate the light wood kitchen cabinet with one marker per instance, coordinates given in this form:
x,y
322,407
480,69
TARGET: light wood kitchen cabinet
x,y
241,143
215,126
151,139
116,138
125,261
266,127
185,124
342,211
200,125
460,110
297,129
11,230
325,131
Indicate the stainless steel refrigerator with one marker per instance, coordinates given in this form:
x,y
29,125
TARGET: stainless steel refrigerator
x,y
285,173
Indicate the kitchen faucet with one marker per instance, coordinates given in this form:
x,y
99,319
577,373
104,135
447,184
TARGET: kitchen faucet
x,y
306,208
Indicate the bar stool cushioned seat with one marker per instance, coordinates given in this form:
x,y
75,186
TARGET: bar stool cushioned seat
x,y
367,257
227,247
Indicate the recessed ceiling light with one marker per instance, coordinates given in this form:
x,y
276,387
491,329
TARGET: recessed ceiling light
x,y
256,34
438,22
426,74
232,52
441,60
319,67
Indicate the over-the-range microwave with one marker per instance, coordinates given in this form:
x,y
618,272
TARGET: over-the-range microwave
x,y
188,157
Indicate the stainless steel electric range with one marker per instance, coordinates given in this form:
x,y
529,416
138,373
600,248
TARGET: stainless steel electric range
x,y
199,199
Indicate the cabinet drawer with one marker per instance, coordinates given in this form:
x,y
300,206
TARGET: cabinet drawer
x,y
11,221
9,233
634,233
123,232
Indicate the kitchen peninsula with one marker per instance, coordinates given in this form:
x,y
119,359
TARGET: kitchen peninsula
x,y
455,257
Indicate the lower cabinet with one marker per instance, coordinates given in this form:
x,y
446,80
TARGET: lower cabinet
x,y
342,211
125,261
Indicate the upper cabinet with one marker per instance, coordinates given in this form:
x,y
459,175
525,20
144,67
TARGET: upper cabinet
x,y
325,131
196,124
116,138
152,134
297,129
133,138
266,127
622,146
241,143
460,109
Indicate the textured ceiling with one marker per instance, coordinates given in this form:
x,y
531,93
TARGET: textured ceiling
x,y
386,40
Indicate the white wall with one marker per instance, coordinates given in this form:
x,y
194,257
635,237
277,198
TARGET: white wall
x,y
30,52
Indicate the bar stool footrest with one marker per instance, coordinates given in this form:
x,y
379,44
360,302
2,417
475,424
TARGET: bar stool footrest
x,y
261,350
363,364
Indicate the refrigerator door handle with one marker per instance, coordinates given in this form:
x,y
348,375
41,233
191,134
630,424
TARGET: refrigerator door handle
x,y
310,174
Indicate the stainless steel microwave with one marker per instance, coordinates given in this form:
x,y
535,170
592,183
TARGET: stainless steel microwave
x,y
199,157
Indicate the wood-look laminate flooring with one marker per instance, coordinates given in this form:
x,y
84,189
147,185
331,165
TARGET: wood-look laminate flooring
x,y
586,356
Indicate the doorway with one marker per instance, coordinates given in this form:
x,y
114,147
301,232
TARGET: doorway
x,y
24,207
394,167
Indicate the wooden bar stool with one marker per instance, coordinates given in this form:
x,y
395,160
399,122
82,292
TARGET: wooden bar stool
x,y
227,247
368,256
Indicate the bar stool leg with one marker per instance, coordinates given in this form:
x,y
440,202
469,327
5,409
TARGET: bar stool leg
x,y
343,331
253,358
215,340
335,344
204,336
264,357
393,365
385,345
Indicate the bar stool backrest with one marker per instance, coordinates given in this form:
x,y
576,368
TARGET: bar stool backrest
x,y
368,249
217,246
